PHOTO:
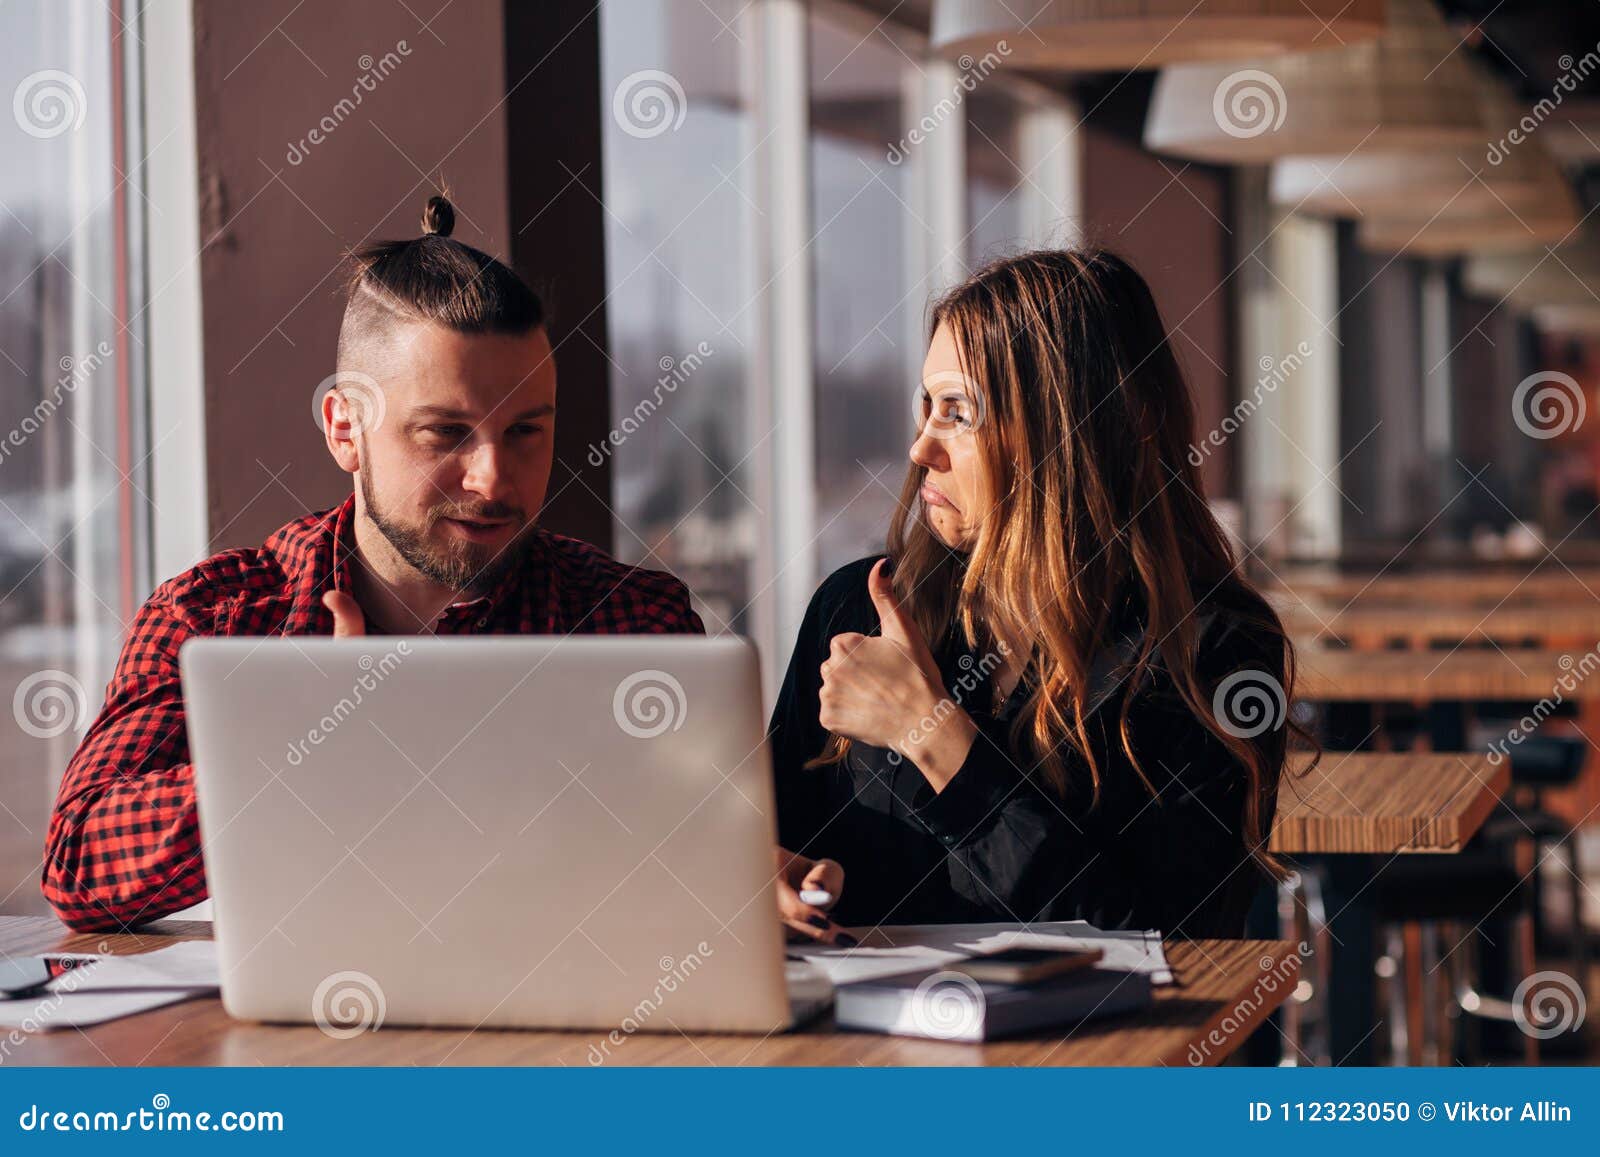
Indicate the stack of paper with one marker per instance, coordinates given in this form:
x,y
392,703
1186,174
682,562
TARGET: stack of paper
x,y
903,947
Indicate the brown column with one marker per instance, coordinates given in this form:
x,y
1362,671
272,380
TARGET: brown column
x,y
1167,217
320,126
554,117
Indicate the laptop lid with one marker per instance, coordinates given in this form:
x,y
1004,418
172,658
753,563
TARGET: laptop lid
x,y
501,831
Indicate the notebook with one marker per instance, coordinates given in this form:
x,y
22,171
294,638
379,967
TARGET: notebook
x,y
945,1005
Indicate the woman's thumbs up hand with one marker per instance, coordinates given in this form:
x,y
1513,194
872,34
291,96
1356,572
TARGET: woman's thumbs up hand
x,y
885,690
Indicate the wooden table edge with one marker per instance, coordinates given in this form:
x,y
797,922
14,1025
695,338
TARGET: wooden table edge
x,y
1279,959
1465,826
1184,956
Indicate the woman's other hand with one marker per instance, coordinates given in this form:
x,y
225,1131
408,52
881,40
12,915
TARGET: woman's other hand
x,y
797,874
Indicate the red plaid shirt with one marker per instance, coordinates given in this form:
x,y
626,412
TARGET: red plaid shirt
x,y
124,843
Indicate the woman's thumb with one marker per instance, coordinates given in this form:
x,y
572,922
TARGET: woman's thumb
x,y
896,623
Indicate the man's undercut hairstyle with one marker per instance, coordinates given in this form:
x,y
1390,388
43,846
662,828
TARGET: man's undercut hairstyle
x,y
431,278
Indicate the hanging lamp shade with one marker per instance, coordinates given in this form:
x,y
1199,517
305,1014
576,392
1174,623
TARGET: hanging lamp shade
x,y
1476,178
1500,276
1539,278
1580,320
1094,35
1408,89
1549,220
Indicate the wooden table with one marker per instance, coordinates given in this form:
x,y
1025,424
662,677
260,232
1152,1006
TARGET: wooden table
x,y
1465,674
1369,623
1218,980
1383,803
1438,587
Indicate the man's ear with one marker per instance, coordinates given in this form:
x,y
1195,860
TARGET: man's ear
x,y
339,419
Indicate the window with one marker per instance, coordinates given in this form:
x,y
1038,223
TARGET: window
x,y
870,282
74,519
788,184
677,149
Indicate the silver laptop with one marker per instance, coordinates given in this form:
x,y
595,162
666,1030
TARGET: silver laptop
x,y
539,832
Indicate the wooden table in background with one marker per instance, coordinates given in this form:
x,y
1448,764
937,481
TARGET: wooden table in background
x,y
1384,803
1218,979
1438,587
1370,623
1418,676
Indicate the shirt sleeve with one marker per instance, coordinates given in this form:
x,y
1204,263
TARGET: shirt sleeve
x,y
795,734
1015,849
123,846
682,618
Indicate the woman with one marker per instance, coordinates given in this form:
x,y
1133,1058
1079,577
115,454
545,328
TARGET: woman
x,y
1056,698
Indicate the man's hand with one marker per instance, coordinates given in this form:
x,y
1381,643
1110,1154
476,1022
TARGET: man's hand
x,y
885,690
348,621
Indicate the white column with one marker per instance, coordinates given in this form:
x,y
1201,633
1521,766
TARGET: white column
x,y
1266,500
1050,153
172,319
781,391
1305,259
1437,402
936,187
94,630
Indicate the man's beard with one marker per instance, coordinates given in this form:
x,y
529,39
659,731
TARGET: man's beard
x,y
462,566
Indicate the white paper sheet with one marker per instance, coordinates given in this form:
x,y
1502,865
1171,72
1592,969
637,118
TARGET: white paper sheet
x,y
904,947
115,986
185,964
77,1010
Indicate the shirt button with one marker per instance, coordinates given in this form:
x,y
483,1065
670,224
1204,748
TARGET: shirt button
x,y
948,840
483,622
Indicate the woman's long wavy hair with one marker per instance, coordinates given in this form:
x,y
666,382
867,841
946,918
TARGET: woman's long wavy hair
x,y
1086,428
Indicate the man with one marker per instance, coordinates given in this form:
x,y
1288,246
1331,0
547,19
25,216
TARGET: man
x,y
444,413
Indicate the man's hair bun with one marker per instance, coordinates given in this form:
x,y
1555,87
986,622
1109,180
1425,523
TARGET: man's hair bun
x,y
444,282
438,217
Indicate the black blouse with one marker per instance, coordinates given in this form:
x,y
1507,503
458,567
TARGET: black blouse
x,y
999,844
